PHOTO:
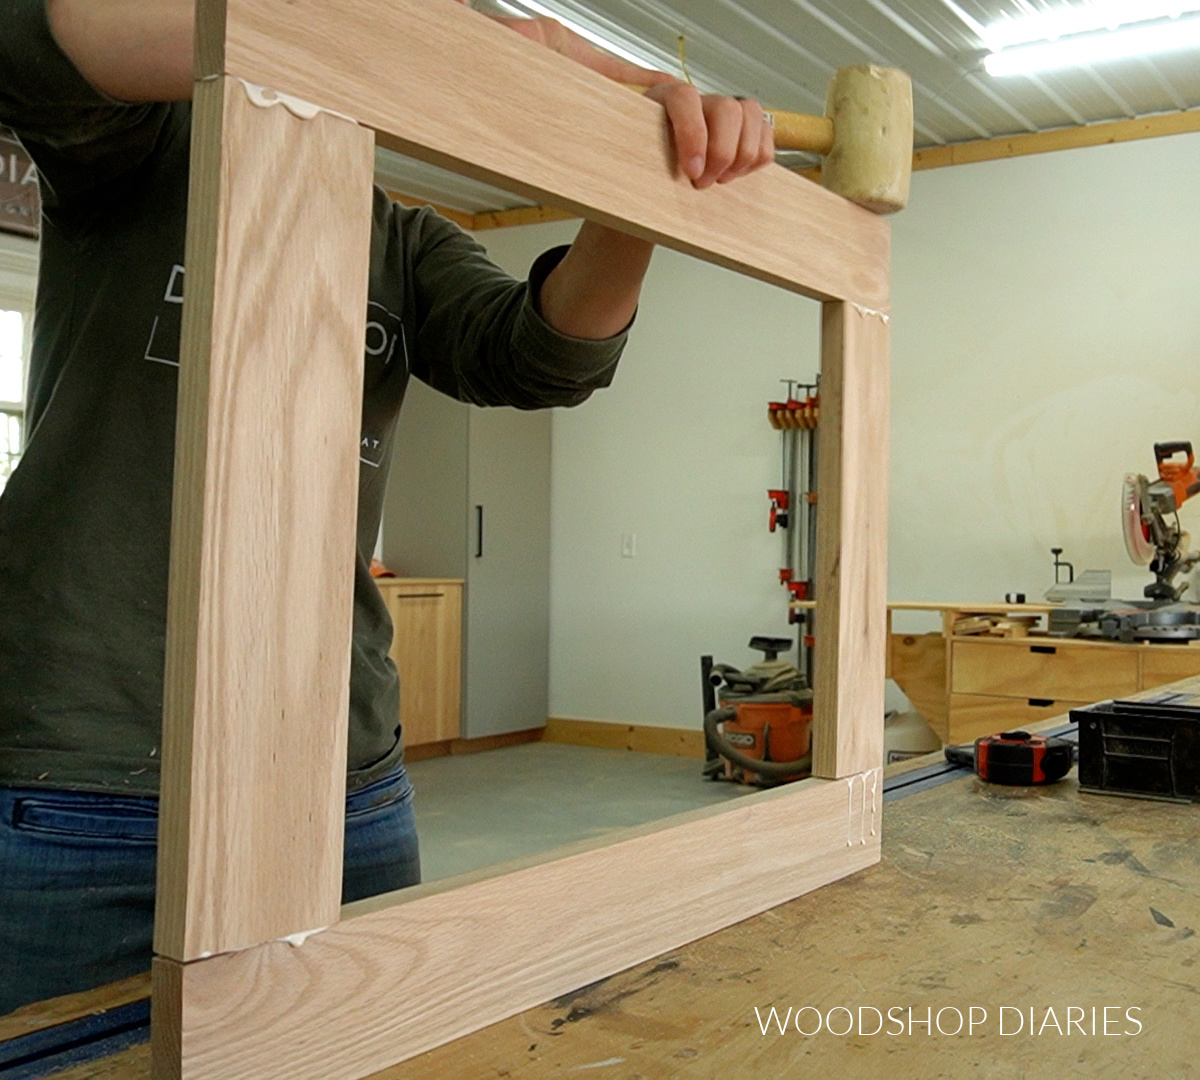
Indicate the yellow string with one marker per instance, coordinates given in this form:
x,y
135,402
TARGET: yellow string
x,y
683,60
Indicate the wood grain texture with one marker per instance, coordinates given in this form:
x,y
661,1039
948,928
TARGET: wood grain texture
x,y
166,1019
851,586
932,925
266,483
451,87
399,976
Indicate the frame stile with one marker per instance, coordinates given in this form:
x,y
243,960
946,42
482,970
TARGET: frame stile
x,y
852,541
263,525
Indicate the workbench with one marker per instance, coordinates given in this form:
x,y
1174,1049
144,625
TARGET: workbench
x,y
969,681
985,897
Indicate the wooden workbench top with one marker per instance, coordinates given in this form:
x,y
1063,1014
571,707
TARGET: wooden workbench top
x,y
985,897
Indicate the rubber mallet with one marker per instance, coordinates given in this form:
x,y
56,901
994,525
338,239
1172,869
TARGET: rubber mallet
x,y
866,136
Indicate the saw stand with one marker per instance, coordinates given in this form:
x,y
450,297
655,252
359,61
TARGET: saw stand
x,y
794,509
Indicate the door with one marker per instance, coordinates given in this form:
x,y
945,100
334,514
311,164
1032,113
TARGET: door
x,y
508,572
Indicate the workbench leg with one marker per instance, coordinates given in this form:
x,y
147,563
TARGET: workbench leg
x,y
851,584
264,525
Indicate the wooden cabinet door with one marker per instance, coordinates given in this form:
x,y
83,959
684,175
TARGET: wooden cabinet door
x,y
427,650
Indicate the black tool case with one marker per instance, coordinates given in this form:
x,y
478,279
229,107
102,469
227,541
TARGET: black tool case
x,y
1148,748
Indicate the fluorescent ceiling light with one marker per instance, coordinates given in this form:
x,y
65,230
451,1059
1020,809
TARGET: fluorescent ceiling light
x,y
596,39
1082,18
1140,39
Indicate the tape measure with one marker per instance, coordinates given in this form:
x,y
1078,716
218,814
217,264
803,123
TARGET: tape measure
x,y
1016,757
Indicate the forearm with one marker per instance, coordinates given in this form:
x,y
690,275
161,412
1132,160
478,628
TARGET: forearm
x,y
593,292
132,50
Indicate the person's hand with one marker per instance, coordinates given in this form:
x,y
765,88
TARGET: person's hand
x,y
717,139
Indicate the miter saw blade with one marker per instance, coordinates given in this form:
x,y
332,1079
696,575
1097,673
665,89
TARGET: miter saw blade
x,y
1137,536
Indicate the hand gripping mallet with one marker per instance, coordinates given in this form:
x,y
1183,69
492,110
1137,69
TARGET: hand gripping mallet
x,y
865,136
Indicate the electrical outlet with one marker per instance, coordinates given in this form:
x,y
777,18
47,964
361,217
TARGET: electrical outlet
x,y
628,545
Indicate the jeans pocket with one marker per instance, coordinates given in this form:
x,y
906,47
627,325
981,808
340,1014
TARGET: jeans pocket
x,y
388,790
81,816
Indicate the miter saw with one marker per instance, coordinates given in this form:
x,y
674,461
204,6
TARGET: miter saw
x,y
1150,519
1153,538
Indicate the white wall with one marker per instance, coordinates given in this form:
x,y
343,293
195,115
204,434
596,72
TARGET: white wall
x,y
1046,332
679,452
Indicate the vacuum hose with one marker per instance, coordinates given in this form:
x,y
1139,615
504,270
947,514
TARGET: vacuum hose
x,y
727,750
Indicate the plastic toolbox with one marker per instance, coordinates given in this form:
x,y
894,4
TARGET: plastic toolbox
x,y
1148,748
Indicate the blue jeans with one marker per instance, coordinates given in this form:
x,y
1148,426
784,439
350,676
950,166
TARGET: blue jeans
x,y
77,880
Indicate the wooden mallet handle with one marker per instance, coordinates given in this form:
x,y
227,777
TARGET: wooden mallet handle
x,y
799,131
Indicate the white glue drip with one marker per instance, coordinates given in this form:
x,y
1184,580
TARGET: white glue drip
x,y
874,790
296,940
264,97
872,313
863,822
850,805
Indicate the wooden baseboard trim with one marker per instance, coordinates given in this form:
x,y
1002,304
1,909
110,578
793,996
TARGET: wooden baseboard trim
x,y
678,742
447,747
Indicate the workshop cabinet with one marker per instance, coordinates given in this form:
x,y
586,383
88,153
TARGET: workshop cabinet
x,y
1043,669
427,651
469,498
967,683
1169,664
973,715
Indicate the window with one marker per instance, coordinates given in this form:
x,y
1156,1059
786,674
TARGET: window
x,y
13,337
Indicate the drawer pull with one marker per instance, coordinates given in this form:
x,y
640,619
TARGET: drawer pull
x,y
1040,702
1049,650
419,595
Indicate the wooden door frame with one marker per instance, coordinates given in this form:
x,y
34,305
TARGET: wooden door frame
x,y
259,973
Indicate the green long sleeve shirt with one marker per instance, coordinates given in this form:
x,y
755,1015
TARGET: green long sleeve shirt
x,y
85,518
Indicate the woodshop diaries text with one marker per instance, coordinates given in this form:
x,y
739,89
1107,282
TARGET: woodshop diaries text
x,y
950,1020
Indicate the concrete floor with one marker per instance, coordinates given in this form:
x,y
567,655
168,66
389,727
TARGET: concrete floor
x,y
475,810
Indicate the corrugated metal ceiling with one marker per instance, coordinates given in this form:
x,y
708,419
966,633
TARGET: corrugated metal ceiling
x,y
784,52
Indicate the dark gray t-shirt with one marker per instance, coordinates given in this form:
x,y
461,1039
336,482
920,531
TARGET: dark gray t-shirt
x,y
85,518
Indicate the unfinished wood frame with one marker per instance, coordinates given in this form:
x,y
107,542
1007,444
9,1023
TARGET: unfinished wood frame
x,y
259,975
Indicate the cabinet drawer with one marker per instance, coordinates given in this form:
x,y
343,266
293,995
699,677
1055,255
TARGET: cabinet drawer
x,y
1043,670
973,715
1164,664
